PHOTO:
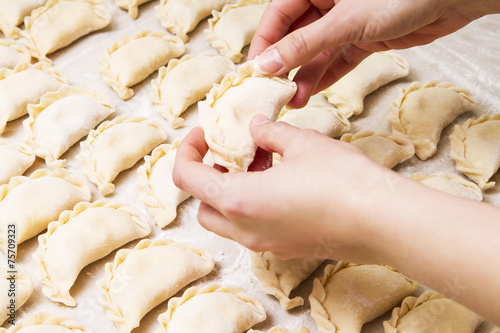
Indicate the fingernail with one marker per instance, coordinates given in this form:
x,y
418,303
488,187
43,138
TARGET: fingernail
x,y
260,120
269,62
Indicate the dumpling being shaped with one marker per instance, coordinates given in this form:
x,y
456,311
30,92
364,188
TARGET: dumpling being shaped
x,y
226,113
423,110
61,119
24,85
431,312
279,277
132,6
16,159
156,187
181,16
44,322
384,148
349,295
23,290
475,148
13,12
232,28
450,183
12,53
212,308
377,70
61,22
133,58
80,237
35,201
115,146
299,329
140,279
186,81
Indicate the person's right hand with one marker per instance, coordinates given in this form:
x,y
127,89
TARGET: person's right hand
x,y
328,38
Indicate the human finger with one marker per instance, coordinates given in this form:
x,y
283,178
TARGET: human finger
x,y
214,221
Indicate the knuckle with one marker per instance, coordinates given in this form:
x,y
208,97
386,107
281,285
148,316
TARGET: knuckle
x,y
298,44
276,12
236,207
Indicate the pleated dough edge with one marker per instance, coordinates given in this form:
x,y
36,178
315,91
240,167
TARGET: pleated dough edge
x,y
16,46
45,318
421,176
131,6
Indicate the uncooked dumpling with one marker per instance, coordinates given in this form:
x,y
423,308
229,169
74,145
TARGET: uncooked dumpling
x,y
15,285
16,159
450,183
12,53
43,322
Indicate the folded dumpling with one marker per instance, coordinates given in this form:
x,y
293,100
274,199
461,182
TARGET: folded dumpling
x,y
16,287
16,159
213,308
450,183
140,279
186,81
35,201
231,29
13,12
226,113
423,110
61,119
132,6
43,322
474,148
61,22
133,58
12,53
431,312
80,237
349,295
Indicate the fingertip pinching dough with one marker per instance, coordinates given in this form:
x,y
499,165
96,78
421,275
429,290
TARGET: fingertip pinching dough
x,y
349,295
35,201
279,277
156,187
13,12
12,53
80,237
61,22
232,28
44,322
226,113
450,183
380,68
24,85
20,287
475,149
384,148
16,159
212,308
181,16
132,6
61,119
133,58
431,312
423,110
186,81
140,279
115,146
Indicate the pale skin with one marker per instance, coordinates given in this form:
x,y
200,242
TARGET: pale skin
x,y
327,199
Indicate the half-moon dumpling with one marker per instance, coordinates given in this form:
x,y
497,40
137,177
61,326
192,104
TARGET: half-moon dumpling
x,y
61,22
13,12
233,27
16,287
380,68
156,187
16,159
431,312
12,53
43,322
279,277
384,148
186,81
226,113
300,329
423,110
115,146
348,295
24,85
140,279
61,119
132,6
35,201
450,183
133,58
80,237
181,16
212,308
475,147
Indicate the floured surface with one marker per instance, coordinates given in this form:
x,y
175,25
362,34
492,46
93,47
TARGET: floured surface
x,y
468,58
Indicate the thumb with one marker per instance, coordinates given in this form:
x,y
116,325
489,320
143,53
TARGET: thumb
x,y
271,136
